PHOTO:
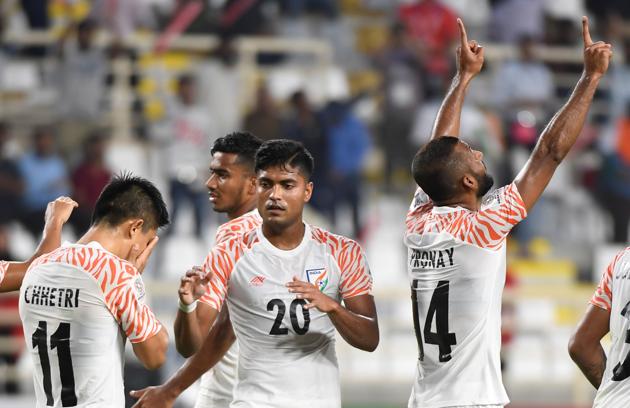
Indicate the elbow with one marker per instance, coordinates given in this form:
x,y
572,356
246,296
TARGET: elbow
x,y
184,350
575,347
372,344
157,357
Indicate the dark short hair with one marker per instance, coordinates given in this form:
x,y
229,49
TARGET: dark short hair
x,y
285,153
243,144
435,168
127,196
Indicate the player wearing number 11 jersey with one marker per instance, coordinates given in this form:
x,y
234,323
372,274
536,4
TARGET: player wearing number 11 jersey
x,y
79,303
456,237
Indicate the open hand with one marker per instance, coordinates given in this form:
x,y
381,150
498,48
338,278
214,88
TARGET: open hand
x,y
153,397
140,258
596,55
312,294
193,285
469,53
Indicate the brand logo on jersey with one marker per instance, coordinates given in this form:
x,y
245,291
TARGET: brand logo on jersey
x,y
139,285
318,277
257,280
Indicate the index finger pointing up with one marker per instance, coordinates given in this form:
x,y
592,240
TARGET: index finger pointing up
x,y
586,33
462,33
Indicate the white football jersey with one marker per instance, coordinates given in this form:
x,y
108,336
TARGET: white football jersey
x,y
456,264
613,295
216,389
77,305
286,352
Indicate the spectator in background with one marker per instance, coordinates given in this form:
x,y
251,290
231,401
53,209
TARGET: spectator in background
x,y
45,179
619,89
88,180
296,8
614,180
402,96
264,120
82,78
434,27
513,19
11,183
304,125
185,145
11,334
349,143
522,89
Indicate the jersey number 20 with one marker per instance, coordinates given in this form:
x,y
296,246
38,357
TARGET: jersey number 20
x,y
277,327
438,311
61,341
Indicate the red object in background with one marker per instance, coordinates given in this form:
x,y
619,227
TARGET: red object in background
x,y
88,181
436,26
183,18
623,139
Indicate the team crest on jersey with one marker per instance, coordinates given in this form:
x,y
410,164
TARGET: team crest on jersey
x,y
139,286
318,277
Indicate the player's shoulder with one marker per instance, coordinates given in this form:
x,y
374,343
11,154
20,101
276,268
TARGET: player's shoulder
x,y
334,242
500,196
91,258
238,226
235,245
622,258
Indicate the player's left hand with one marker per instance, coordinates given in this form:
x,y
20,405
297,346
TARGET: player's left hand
x,y
153,397
312,294
139,258
58,212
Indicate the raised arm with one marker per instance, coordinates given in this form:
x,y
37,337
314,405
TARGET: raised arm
x,y
469,63
57,214
214,347
566,125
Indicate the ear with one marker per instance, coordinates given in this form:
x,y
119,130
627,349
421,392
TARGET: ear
x,y
469,182
308,191
251,185
135,227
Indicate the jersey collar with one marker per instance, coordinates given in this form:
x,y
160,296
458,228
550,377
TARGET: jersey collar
x,y
282,252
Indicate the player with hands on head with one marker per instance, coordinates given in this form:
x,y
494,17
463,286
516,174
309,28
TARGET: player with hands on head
x,y
81,302
456,237
286,344
57,214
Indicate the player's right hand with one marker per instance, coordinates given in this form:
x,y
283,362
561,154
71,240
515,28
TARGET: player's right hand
x,y
469,53
597,55
139,258
153,397
193,285
58,212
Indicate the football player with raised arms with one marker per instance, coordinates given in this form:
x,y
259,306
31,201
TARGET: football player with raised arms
x,y
288,286
232,190
57,214
79,303
456,238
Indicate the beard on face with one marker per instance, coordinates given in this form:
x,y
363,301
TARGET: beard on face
x,y
485,182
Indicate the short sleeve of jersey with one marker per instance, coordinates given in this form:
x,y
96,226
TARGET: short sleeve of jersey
x,y
124,296
500,212
219,262
603,294
356,278
4,266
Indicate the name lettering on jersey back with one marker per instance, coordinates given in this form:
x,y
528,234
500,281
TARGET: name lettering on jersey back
x,y
50,296
435,259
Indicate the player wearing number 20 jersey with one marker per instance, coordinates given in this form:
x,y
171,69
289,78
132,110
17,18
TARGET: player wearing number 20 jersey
x,y
456,264
613,295
287,353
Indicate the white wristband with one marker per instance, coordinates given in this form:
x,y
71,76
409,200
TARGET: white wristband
x,y
187,308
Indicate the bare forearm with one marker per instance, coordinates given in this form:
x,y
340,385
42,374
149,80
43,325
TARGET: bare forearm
x,y
592,362
448,117
188,335
14,276
358,330
51,239
565,127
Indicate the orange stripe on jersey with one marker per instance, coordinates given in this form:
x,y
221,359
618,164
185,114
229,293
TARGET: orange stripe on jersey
x,y
603,294
486,228
355,273
119,282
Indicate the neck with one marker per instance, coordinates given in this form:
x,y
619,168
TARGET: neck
x,y
469,203
243,209
109,237
286,238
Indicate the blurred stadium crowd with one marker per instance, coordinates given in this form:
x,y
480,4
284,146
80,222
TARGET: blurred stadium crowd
x,y
88,88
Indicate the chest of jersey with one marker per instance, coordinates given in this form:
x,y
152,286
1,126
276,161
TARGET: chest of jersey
x,y
265,312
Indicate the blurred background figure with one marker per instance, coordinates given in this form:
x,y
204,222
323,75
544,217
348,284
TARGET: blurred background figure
x,y
89,178
45,178
11,182
264,120
11,337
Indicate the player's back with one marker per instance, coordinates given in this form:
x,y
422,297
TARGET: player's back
x,y
73,303
456,263
613,294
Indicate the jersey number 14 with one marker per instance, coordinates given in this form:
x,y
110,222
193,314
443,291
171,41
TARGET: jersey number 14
x,y
438,311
